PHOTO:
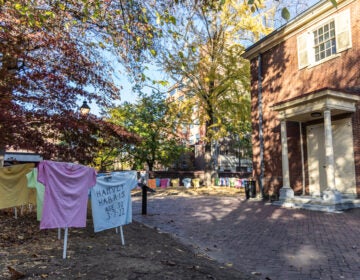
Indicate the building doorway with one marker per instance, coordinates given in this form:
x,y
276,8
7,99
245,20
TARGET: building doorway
x,y
343,157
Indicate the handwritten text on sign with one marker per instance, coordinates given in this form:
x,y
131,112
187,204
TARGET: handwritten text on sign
x,y
112,201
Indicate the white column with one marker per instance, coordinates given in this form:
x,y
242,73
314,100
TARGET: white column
x,y
330,193
285,192
329,151
284,156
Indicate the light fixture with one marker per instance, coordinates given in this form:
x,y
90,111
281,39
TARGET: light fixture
x,y
315,114
84,109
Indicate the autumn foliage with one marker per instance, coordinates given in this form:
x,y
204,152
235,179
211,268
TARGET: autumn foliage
x,y
51,57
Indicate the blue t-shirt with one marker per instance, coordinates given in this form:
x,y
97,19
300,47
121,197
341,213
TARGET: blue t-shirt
x,y
111,200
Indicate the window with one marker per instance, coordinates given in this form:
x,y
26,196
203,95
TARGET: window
x,y
197,137
181,98
324,40
183,129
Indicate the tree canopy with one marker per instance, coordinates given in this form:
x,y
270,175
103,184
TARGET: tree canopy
x,y
150,119
204,59
54,54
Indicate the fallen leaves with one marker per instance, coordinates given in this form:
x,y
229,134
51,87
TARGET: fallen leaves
x,y
37,254
14,274
167,262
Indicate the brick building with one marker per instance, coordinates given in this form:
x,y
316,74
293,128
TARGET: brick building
x,y
306,108
230,153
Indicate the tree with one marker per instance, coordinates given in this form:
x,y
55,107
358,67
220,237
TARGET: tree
x,y
53,53
149,119
281,11
205,59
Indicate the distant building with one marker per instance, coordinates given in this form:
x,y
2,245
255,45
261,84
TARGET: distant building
x,y
11,157
228,154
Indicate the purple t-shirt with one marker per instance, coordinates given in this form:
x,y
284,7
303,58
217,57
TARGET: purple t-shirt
x,y
66,193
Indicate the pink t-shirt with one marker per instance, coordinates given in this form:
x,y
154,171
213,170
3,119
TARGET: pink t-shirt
x,y
66,193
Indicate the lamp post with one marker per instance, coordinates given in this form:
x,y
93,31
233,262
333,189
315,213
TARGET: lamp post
x,y
84,109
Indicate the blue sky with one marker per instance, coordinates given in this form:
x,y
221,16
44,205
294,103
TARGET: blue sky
x,y
121,78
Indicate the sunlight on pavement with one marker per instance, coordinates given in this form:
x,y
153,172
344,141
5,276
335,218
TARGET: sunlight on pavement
x,y
305,256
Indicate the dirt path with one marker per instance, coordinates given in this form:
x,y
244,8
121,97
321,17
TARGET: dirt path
x,y
26,252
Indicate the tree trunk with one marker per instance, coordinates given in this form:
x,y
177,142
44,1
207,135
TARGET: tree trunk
x,y
150,165
210,172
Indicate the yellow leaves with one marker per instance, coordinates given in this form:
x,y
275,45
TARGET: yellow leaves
x,y
166,17
240,18
158,18
33,16
101,45
18,7
162,83
62,6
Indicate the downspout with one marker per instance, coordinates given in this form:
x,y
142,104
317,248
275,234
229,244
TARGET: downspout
x,y
302,158
261,136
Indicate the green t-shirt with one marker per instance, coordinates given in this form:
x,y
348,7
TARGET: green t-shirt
x,y
40,189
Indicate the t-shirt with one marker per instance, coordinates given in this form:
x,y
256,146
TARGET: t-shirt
x,y
13,186
40,189
66,193
111,200
152,183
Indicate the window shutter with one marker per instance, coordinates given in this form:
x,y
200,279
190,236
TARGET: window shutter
x,y
302,50
343,31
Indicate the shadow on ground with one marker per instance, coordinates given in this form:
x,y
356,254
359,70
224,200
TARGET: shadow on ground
x,y
261,239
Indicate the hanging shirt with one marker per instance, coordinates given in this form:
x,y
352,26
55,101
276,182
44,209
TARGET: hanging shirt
x,y
66,193
13,186
164,182
33,183
111,200
152,183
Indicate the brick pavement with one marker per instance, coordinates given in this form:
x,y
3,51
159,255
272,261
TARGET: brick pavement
x,y
259,238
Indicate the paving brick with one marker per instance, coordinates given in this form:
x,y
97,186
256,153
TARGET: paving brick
x,y
274,242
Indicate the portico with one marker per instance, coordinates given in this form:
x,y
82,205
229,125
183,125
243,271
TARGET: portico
x,y
325,167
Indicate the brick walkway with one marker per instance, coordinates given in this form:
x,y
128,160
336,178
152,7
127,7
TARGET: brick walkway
x,y
261,239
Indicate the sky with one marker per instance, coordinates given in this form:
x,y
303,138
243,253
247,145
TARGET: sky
x,y
121,78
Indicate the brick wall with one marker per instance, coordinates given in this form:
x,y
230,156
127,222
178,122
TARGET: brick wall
x,y
282,80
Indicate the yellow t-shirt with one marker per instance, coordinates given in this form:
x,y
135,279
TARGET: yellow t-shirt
x,y
13,186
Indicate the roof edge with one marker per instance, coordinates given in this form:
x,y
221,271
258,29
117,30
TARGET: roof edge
x,y
278,35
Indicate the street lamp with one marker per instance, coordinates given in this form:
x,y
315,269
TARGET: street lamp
x,y
84,109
